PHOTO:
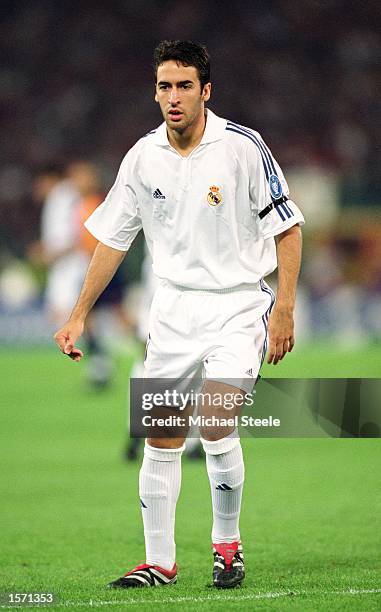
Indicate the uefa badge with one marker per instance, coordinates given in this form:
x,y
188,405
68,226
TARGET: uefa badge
x,y
214,196
275,187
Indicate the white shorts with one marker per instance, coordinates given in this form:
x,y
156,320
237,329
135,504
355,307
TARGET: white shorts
x,y
149,284
208,334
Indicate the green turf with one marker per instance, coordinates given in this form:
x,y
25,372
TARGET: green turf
x,y
70,520
327,360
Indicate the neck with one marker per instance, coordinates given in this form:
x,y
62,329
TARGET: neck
x,y
190,138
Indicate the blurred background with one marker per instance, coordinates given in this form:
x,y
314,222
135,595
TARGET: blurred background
x,y
76,92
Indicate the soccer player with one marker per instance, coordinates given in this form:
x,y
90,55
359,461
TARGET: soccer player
x,y
57,248
217,218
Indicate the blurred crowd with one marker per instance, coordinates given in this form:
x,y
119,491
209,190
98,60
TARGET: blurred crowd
x,y
76,87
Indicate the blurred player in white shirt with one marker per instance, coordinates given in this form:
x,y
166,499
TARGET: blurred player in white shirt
x,y
68,196
57,248
214,207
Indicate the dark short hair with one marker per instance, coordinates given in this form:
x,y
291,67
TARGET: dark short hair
x,y
187,53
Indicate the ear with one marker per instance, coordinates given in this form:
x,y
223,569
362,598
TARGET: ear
x,y
206,92
156,98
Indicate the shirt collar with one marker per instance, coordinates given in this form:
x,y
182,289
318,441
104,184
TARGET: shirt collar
x,y
214,130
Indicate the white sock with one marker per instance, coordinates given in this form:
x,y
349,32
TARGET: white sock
x,y
159,487
224,462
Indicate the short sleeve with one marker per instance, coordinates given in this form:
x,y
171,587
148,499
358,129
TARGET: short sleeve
x,y
116,221
269,193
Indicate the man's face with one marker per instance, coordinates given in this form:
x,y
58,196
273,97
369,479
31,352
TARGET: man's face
x,y
178,91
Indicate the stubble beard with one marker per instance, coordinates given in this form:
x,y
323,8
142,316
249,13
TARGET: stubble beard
x,y
180,129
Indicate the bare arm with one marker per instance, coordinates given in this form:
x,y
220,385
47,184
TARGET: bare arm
x,y
281,322
102,268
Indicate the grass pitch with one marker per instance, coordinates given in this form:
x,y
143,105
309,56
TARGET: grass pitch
x,y
70,519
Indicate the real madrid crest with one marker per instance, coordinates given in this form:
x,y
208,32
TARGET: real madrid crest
x,y
214,196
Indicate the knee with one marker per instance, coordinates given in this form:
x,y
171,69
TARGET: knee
x,y
210,434
166,443
222,445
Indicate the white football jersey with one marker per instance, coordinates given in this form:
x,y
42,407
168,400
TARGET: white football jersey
x,y
200,214
59,233
59,222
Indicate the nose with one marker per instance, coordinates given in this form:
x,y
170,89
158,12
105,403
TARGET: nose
x,y
173,96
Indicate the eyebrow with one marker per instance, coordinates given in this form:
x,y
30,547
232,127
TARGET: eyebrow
x,y
187,82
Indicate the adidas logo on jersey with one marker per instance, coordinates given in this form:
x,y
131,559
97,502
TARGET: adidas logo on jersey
x,y
158,195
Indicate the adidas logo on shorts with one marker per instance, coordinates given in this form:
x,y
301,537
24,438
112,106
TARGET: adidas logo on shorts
x,y
249,372
158,195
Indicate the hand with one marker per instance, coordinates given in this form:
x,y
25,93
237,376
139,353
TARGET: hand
x,y
67,336
281,333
